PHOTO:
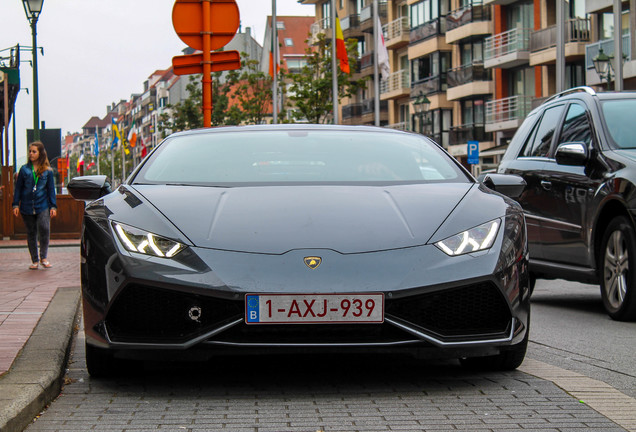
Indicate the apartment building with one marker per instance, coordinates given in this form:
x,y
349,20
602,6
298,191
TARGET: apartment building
x,y
357,22
482,65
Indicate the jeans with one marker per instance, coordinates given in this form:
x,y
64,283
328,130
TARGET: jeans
x,y
38,228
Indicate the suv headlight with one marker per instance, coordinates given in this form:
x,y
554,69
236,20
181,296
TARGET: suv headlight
x,y
472,240
136,240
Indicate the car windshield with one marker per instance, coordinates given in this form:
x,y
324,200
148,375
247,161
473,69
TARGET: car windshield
x,y
619,118
238,157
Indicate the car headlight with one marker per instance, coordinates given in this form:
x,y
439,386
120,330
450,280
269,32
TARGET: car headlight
x,y
136,240
472,240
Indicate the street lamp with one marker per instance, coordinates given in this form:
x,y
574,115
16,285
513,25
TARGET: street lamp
x,y
32,9
603,66
421,104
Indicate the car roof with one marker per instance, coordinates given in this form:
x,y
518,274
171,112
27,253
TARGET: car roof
x,y
291,127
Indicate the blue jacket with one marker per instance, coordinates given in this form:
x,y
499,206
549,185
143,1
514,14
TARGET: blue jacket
x,y
34,202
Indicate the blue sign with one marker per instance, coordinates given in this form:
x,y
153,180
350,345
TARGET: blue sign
x,y
252,308
473,152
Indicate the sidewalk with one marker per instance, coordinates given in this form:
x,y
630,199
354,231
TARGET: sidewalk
x,y
30,376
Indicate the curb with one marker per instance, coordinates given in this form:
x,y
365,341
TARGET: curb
x,y
36,376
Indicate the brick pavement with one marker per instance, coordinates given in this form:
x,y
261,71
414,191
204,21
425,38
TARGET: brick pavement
x,y
314,393
25,294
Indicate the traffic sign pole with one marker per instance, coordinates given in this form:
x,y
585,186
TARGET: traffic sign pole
x,y
207,73
218,23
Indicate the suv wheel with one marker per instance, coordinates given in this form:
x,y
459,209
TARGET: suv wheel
x,y
618,269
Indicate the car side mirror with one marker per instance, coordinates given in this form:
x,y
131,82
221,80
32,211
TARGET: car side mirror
x,y
571,153
89,188
506,184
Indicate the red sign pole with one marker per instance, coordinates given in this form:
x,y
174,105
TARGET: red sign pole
x,y
206,81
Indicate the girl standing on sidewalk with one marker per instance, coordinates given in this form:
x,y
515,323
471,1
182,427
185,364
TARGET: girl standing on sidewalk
x,y
34,199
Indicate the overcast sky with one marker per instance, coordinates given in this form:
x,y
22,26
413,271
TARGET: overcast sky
x,y
101,51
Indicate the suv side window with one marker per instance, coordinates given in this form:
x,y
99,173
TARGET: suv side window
x,y
576,127
539,142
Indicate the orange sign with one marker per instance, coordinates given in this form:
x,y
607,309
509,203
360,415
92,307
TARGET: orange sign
x,y
193,63
206,25
187,18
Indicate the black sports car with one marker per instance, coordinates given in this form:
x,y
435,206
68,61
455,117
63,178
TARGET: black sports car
x,y
303,237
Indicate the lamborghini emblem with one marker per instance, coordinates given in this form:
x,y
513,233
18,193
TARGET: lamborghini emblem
x,y
312,262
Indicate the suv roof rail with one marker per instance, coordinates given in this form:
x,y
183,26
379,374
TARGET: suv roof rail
x,y
586,89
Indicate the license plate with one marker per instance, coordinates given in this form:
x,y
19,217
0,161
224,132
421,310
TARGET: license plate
x,y
314,308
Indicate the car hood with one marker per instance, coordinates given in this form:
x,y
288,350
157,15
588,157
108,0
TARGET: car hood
x,y
277,219
626,153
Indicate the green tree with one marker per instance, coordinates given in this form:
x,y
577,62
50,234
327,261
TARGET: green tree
x,y
252,92
310,90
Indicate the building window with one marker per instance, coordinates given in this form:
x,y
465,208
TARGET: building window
x,y
289,42
326,14
473,112
435,64
280,25
471,51
520,15
521,82
428,10
295,65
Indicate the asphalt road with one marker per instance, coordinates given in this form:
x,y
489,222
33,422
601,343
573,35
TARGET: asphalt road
x,y
571,330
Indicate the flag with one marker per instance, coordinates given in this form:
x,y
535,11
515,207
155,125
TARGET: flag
x,y
132,135
144,151
341,49
116,135
383,54
96,151
271,53
90,165
80,162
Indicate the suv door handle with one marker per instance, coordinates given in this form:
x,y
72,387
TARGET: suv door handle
x,y
547,185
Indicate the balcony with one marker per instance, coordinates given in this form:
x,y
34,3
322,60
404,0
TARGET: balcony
x,y
508,49
397,33
432,28
352,110
468,132
366,15
467,81
471,20
403,126
591,51
397,85
366,60
507,113
351,26
430,85
368,106
322,26
543,42
349,22
498,2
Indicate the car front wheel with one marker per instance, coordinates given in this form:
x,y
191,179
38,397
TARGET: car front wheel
x,y
618,269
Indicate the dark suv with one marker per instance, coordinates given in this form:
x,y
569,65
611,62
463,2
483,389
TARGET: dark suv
x,y
577,154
